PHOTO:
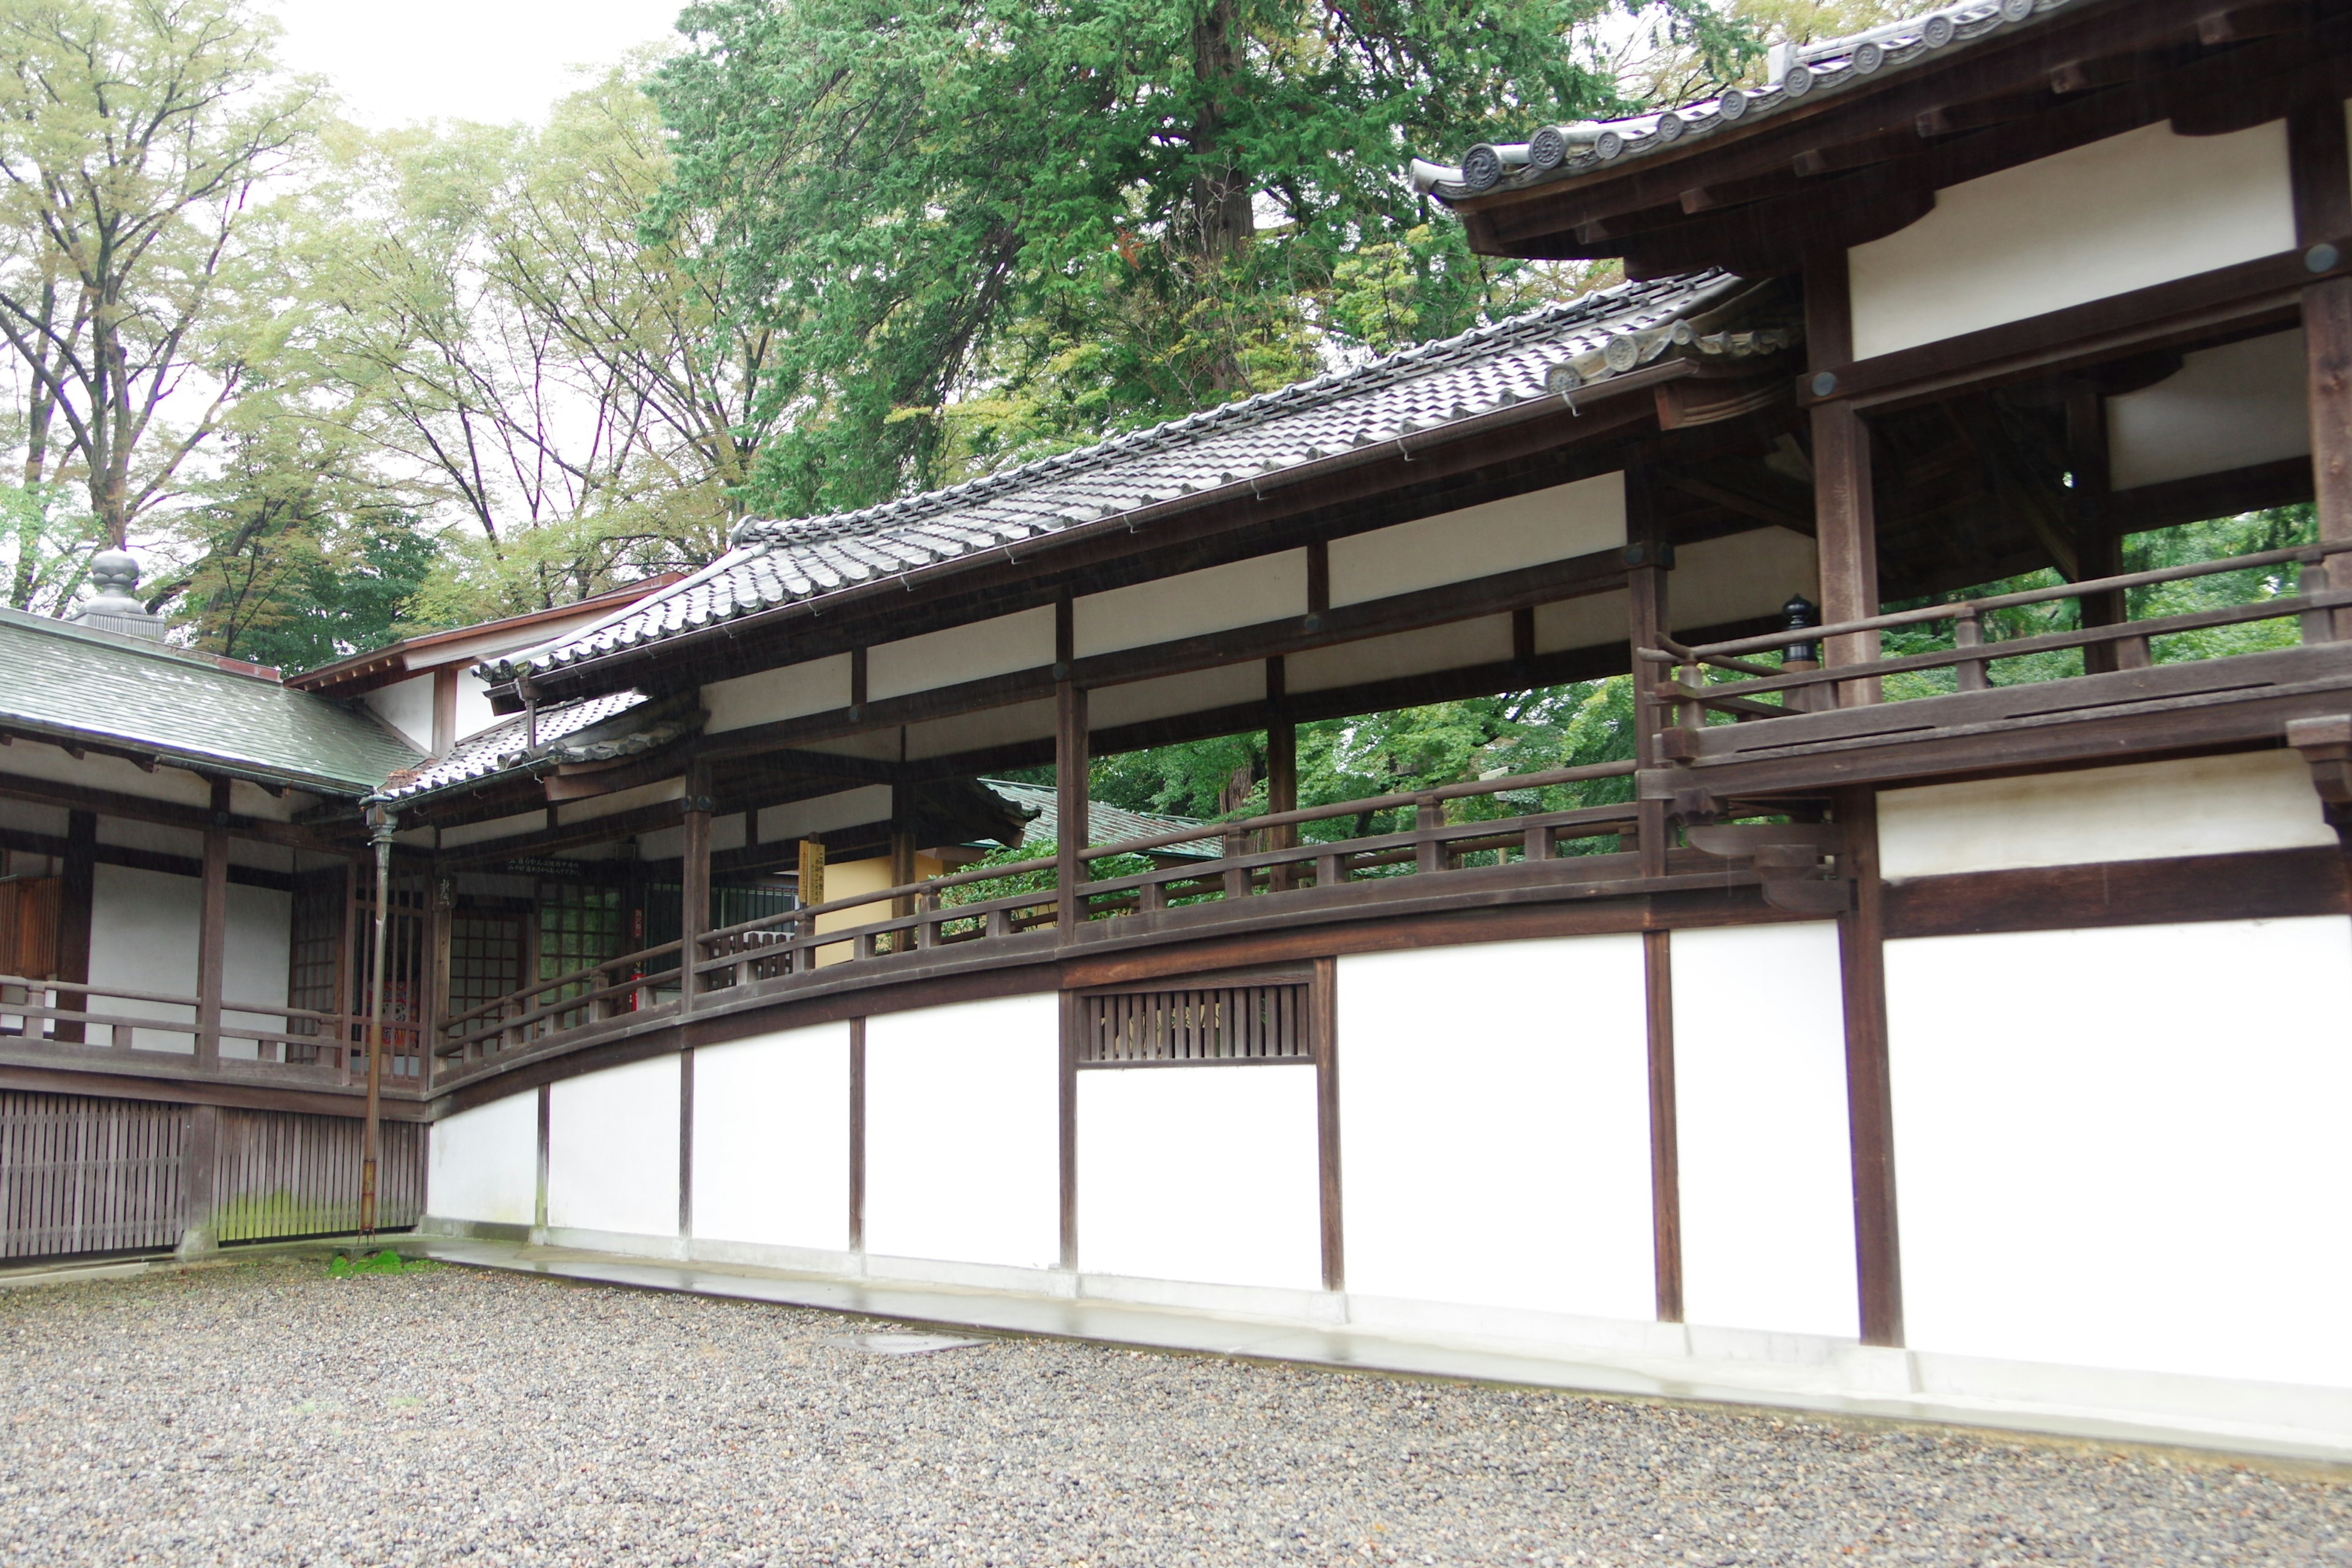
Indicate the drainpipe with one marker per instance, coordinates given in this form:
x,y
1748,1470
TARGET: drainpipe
x,y
381,825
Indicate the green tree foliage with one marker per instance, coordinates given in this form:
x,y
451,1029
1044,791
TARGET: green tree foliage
x,y
974,230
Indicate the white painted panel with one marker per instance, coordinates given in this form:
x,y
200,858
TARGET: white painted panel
x,y
257,956
1199,691
2225,409
1740,576
483,1163
771,1139
1495,1125
2126,1148
28,758
475,714
129,833
497,828
824,813
1582,623
963,1133
2127,213
1243,594
2141,811
988,727
142,937
1486,640
1766,1166
619,801
407,707
1554,524
793,691
1200,1173
950,657
611,1150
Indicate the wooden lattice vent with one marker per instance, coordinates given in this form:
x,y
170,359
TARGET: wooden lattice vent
x,y
1245,1021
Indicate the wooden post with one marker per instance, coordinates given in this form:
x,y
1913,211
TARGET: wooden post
x,y
77,902
1845,513
1323,1039
1870,1108
2321,168
200,1180
2098,551
1281,773
1070,765
686,1145
347,1000
857,1135
445,711
1647,623
694,889
382,826
440,900
902,865
212,930
1072,1019
1666,1139
546,1133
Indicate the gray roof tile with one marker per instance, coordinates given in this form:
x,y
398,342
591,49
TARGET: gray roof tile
x,y
1416,389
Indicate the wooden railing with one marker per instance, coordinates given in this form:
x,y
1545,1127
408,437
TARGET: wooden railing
x,y
943,913
294,1042
1694,687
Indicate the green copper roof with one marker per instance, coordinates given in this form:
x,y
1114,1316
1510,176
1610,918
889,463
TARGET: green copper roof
x,y
121,692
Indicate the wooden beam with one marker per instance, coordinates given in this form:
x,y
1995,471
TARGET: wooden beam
x,y
212,930
1870,1110
170,814
1323,1035
2268,884
1846,514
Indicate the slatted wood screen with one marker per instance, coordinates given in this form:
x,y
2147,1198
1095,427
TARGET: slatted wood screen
x,y
281,1174
89,1175
1195,1023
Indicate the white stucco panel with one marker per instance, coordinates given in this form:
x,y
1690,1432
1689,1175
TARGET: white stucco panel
x,y
792,692
1740,576
824,813
963,1132
985,727
771,1139
958,654
1765,1162
1199,1174
1495,1125
2125,213
407,707
484,1163
1554,524
611,1150
1196,691
1242,593
1458,645
1586,622
2124,1148
2141,811
2225,408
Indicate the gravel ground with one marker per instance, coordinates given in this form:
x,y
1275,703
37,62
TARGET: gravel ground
x,y
263,1413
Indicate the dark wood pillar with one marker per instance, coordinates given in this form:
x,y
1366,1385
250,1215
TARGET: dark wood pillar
x,y
445,711
76,901
857,1135
1647,624
1870,1107
1281,770
1323,1039
1070,765
2098,552
212,928
200,1180
440,902
1844,512
686,1145
1647,593
1072,1022
2322,171
693,886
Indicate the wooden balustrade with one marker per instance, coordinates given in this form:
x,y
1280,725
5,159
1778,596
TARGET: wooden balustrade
x,y
309,1045
1693,694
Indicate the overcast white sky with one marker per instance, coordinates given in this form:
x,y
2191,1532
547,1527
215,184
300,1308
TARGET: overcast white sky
x,y
395,61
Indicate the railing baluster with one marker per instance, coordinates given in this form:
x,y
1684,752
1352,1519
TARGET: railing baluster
x,y
1539,843
1968,631
2132,653
1428,853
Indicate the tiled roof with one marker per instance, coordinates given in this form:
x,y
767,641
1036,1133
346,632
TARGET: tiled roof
x,y
1800,74
1234,446
571,732
1105,824
128,693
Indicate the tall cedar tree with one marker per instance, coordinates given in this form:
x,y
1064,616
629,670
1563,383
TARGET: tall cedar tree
x,y
981,229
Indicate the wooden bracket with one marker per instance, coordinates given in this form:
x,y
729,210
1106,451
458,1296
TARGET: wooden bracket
x,y
1797,861
2326,746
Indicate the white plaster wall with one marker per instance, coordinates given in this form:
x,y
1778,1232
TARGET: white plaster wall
x,y
1486,640
2225,409
259,952
1554,524
1197,691
2126,1148
2123,214
793,691
771,1139
24,816
823,813
1583,622
958,654
963,1133
1765,1162
407,707
28,758
618,800
1243,594
143,938
988,727
611,1150
475,714
1740,576
1495,1125
1200,1173
483,1163
2141,811
497,828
